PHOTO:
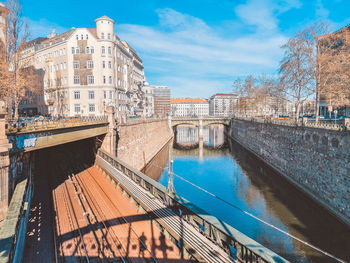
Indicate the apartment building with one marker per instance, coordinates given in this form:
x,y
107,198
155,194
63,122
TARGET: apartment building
x,y
3,22
161,100
181,107
222,104
333,72
85,70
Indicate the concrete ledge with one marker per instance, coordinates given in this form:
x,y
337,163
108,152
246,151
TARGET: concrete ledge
x,y
13,225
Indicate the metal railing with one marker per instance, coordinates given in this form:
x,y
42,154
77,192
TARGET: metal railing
x,y
337,125
30,125
219,232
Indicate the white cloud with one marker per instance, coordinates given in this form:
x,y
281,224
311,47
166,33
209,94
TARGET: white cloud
x,y
263,13
43,27
321,11
194,59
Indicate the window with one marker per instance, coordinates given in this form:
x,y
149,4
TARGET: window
x,y
91,94
77,50
110,79
77,37
104,79
87,50
87,36
81,36
103,50
76,95
111,94
76,64
77,108
109,50
76,79
64,65
92,50
90,80
91,107
109,64
103,64
109,36
105,94
103,35
90,64
73,50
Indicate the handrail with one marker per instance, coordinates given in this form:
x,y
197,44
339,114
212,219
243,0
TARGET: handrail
x,y
340,125
20,126
213,228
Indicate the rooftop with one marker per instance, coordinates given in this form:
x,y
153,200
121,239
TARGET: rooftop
x,y
187,100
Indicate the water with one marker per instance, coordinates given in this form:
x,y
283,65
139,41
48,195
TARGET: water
x,y
236,176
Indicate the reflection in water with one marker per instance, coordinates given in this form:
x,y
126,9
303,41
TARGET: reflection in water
x,y
238,177
187,136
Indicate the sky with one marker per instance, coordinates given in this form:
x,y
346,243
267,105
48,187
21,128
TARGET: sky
x,y
195,47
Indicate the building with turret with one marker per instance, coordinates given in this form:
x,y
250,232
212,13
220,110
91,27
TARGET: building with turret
x,y
84,70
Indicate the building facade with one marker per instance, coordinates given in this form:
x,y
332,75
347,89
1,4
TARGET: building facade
x,y
333,73
181,107
85,70
222,104
3,23
161,100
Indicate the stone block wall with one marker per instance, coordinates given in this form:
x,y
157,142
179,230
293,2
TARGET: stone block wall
x,y
315,160
139,142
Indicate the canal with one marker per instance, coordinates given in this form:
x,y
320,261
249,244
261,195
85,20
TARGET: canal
x,y
224,168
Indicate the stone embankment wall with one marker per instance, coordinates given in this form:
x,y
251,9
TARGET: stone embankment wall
x,y
139,142
315,160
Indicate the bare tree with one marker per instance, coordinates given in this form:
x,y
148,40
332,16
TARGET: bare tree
x,y
20,76
298,67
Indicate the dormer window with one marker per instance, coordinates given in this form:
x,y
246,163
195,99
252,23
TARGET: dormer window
x,y
87,36
81,36
103,35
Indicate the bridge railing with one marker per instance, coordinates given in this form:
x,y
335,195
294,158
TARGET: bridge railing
x,y
241,247
31,124
337,125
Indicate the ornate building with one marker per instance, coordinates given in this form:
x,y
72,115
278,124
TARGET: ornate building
x,y
84,70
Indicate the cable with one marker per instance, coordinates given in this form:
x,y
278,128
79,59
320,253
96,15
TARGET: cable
x,y
253,216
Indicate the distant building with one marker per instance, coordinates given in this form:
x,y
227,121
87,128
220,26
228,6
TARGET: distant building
x,y
148,103
189,107
222,104
161,100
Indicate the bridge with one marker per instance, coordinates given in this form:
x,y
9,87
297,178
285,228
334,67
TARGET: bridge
x,y
105,208
37,135
200,121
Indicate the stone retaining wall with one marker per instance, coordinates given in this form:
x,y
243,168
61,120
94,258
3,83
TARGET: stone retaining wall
x,y
137,143
315,160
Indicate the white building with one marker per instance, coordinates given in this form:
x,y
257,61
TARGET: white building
x,y
3,22
221,104
85,70
189,107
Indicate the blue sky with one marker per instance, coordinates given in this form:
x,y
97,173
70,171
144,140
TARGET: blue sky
x,y
196,47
